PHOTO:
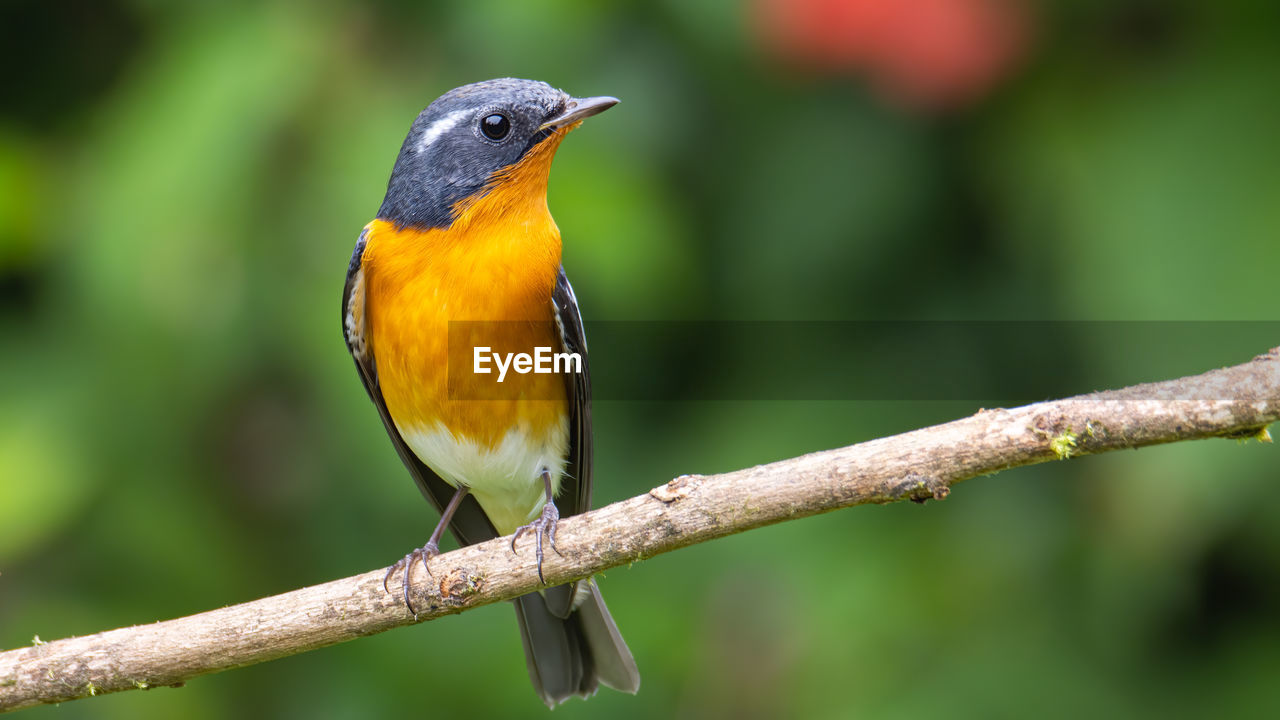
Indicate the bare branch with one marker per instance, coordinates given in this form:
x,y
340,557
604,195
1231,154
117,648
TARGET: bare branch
x,y
1235,402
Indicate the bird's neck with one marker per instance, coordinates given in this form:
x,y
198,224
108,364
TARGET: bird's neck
x,y
515,198
502,249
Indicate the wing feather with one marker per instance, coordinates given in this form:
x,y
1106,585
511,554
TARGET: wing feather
x,y
576,485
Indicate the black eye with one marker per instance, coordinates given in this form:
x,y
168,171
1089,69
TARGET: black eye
x,y
495,126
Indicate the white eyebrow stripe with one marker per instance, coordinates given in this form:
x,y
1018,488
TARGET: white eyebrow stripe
x,y
440,127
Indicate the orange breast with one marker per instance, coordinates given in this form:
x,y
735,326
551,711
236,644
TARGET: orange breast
x,y
414,293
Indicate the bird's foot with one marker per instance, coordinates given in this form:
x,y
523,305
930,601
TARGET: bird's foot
x,y
424,553
544,525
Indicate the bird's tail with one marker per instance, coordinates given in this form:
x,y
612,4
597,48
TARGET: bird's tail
x,y
572,655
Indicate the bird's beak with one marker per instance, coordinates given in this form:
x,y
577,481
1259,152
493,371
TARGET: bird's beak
x,y
577,109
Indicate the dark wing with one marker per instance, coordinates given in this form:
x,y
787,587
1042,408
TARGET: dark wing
x,y
575,488
575,485
470,525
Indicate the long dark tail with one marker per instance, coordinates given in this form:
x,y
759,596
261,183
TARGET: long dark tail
x,y
574,654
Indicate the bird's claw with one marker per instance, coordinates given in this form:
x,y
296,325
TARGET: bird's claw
x,y
544,525
424,553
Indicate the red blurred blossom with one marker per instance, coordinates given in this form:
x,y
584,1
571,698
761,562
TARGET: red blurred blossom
x,y
926,53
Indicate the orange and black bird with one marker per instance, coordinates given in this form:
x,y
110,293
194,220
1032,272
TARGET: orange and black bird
x,y
464,235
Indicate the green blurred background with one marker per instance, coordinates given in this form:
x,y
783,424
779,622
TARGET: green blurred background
x,y
181,427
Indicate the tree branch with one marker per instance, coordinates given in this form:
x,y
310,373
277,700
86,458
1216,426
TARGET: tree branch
x,y
1235,402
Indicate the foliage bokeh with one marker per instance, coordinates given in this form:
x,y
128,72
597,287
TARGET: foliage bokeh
x,y
181,428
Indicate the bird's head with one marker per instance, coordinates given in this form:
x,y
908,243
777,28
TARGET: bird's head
x,y
474,140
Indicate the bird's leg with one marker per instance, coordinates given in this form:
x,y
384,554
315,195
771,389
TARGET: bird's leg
x,y
426,552
544,525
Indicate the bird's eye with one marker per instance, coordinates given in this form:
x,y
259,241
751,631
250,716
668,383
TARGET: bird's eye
x,y
495,126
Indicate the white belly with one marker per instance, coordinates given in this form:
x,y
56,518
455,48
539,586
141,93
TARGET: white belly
x,y
505,479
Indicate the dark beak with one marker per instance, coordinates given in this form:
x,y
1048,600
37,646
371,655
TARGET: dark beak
x,y
577,109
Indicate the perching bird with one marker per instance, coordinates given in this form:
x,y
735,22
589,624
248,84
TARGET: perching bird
x,y
464,235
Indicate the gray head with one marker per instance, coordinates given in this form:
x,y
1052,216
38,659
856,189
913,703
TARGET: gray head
x,y
467,135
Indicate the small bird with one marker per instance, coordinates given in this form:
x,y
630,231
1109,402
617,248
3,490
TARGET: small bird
x,y
464,238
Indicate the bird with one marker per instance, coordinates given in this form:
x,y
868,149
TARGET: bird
x,y
464,239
